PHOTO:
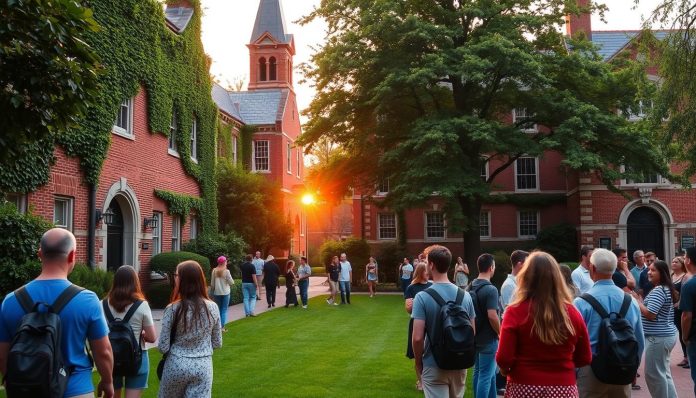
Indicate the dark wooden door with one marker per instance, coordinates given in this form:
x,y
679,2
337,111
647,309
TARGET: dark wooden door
x,y
645,232
114,239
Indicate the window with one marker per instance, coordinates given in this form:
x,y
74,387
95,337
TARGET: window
x,y
272,75
176,233
434,225
63,212
262,70
289,147
484,170
157,234
234,148
522,118
526,174
124,119
299,161
173,145
528,223
387,225
19,200
261,156
194,140
643,178
485,224
383,186
195,227
640,110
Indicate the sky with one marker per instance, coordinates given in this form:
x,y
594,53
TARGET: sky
x,y
227,26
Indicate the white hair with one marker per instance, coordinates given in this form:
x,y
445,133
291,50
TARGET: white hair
x,y
638,253
604,261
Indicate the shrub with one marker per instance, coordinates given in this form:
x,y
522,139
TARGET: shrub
x,y
357,250
236,295
389,256
158,294
167,262
320,271
559,240
502,268
97,280
15,275
213,246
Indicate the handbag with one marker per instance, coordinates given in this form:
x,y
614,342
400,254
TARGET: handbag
x,y
172,336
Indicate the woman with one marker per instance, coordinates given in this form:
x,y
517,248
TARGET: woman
x,y
461,273
418,284
220,282
125,293
568,278
190,332
543,337
333,271
679,277
657,314
290,277
371,276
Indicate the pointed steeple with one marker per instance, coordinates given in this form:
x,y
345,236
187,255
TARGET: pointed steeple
x,y
270,18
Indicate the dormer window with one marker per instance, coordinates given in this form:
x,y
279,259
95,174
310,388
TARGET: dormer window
x,y
262,69
272,74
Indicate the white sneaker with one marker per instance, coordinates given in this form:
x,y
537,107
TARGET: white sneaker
x,y
335,303
304,306
328,301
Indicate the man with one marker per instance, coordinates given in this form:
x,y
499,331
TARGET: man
x,y
249,285
639,260
82,318
344,278
303,273
437,383
687,304
507,291
270,279
405,271
643,282
258,266
581,275
622,276
602,266
485,301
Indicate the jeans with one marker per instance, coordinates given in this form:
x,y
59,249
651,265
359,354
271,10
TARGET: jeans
x,y
304,286
484,371
405,282
271,293
222,302
691,354
658,375
249,291
345,291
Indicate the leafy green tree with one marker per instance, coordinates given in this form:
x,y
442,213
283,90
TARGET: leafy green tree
x,y
418,91
48,73
251,205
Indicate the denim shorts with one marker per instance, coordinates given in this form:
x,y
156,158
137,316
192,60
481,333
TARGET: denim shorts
x,y
137,382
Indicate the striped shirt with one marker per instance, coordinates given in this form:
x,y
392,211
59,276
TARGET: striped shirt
x,y
659,301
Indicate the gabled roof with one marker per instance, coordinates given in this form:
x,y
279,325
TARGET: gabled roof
x,y
224,102
270,18
178,18
258,107
609,43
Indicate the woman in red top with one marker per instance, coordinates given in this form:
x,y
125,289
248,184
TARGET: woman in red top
x,y
543,337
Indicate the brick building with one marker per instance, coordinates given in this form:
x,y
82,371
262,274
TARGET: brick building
x,y
658,217
269,108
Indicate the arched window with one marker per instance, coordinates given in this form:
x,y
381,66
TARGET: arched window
x,y
272,75
262,70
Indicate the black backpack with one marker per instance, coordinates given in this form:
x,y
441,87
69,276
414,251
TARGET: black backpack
x,y
617,358
451,338
35,366
127,349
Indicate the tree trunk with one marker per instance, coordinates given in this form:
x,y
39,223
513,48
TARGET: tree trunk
x,y
471,209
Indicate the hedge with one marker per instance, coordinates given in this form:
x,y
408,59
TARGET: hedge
x,y
357,251
159,294
97,280
167,262
320,271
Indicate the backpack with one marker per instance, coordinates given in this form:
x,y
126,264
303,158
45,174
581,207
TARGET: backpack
x,y
451,338
617,358
127,349
481,312
35,366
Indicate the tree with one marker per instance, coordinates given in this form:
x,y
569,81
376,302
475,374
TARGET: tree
x,y
251,206
417,91
48,73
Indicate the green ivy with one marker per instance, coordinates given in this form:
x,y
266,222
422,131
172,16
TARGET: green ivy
x,y
180,204
245,135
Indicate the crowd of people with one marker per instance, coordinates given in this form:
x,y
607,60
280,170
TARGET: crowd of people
x,y
550,332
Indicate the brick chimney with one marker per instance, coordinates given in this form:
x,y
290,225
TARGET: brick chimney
x,y
580,23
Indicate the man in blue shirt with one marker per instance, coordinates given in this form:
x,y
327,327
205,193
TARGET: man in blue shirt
x,y
687,304
581,274
345,276
258,266
81,319
602,267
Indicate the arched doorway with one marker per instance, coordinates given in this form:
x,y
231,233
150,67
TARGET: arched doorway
x,y
121,234
645,232
114,238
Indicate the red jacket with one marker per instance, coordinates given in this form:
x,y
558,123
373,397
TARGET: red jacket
x,y
529,361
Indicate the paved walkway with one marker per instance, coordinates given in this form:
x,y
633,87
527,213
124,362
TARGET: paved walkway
x,y
681,376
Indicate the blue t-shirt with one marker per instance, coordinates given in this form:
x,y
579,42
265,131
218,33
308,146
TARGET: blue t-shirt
x,y
687,302
82,319
345,271
406,271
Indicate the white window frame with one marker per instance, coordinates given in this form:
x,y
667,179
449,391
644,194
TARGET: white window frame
x,y
172,144
176,233
486,170
126,132
379,226
299,160
288,145
157,233
19,200
426,225
485,215
194,140
193,229
383,182
634,117
523,115
254,166
536,174
519,225
69,212
631,183
234,148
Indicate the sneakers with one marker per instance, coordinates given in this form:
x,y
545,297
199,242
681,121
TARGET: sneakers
x,y
335,304
304,306
328,301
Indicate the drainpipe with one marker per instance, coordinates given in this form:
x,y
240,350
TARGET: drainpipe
x,y
91,225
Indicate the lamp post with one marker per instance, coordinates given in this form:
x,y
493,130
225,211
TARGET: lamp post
x,y
307,200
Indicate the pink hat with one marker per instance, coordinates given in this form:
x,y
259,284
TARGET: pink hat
x,y
222,259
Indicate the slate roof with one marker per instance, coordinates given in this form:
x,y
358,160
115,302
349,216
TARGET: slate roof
x,y
178,17
270,18
256,107
611,42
